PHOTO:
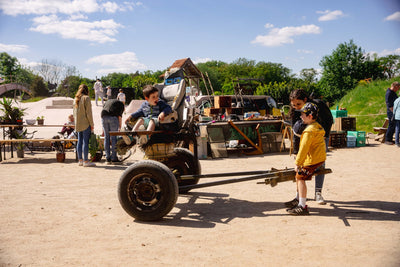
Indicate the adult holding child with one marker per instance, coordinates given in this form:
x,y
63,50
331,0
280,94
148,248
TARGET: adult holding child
x,y
298,98
84,124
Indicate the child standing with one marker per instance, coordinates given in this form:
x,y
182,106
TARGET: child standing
x,y
310,157
151,111
396,117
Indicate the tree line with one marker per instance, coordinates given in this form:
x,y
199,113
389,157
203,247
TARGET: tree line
x,y
342,70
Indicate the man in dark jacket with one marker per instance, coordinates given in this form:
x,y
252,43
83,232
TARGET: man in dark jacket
x,y
111,117
390,97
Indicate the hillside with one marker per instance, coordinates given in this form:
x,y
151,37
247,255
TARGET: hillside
x,y
367,103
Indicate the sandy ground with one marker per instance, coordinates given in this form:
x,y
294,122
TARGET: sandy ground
x,y
59,214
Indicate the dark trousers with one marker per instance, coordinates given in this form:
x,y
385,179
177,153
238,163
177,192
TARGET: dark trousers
x,y
391,127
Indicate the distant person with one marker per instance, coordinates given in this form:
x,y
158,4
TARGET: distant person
x,y
109,93
151,112
311,156
390,97
98,91
396,115
298,98
111,117
121,96
68,126
84,125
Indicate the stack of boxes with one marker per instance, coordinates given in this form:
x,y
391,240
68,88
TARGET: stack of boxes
x,y
343,131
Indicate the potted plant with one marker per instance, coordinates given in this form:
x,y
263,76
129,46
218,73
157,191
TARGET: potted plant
x,y
40,120
20,145
95,151
60,150
11,114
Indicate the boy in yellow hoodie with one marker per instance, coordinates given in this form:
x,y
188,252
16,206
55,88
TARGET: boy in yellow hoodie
x,y
310,157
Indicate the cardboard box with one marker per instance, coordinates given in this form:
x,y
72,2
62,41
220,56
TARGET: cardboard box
x,y
344,124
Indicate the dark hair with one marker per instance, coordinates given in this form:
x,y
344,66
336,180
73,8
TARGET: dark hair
x,y
298,94
148,90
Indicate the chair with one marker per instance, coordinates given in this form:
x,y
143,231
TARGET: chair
x,y
381,131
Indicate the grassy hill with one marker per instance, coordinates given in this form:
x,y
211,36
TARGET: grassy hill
x,y
367,103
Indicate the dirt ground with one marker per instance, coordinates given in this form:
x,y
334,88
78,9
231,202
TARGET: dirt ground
x,y
59,214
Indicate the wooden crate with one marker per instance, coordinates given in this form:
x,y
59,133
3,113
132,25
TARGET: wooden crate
x,y
236,111
344,124
209,112
337,139
222,101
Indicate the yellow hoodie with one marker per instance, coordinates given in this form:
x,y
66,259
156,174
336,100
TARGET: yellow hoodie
x,y
312,146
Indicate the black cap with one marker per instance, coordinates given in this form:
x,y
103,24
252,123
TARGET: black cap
x,y
309,108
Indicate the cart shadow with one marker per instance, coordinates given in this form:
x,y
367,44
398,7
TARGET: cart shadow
x,y
206,210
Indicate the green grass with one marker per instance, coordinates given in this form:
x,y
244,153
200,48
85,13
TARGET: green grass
x,y
365,102
33,99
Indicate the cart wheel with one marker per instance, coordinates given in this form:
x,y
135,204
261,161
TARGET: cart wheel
x,y
184,163
147,190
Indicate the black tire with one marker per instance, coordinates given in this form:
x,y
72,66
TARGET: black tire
x,y
184,163
147,190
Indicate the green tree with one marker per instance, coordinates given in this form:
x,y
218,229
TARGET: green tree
x,y
344,68
38,87
390,65
9,67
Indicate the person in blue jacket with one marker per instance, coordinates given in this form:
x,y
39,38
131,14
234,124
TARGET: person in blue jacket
x,y
151,112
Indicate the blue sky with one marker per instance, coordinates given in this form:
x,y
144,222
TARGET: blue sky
x,y
103,36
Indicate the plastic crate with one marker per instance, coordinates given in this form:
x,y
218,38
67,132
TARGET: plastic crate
x,y
338,113
351,138
351,143
360,137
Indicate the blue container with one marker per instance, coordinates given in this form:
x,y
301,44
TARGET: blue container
x,y
351,143
338,113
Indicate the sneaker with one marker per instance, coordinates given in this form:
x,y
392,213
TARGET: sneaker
x,y
389,143
127,139
299,210
89,164
143,139
116,162
292,203
80,163
108,161
319,199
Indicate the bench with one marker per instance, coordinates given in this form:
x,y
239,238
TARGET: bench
x,y
37,140
381,131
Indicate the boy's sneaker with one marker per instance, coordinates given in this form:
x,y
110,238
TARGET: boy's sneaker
x,y
80,163
299,210
89,164
292,203
108,161
319,199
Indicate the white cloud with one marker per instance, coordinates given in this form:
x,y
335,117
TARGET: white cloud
x,y
13,48
26,63
268,25
198,60
330,15
385,52
394,16
42,7
304,51
97,31
126,62
280,36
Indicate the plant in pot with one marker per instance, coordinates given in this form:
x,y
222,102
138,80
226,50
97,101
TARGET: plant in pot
x,y
60,150
20,146
11,113
40,120
95,148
